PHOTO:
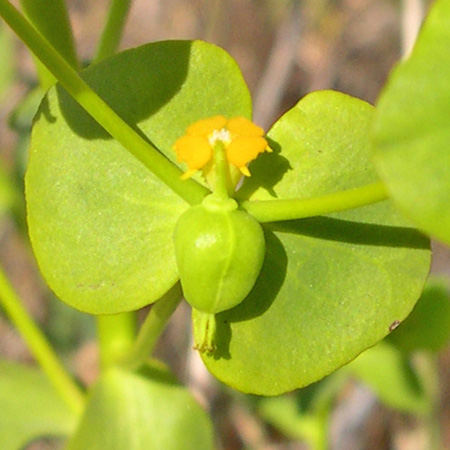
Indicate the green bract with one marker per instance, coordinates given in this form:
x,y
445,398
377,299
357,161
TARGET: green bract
x,y
100,223
219,251
330,286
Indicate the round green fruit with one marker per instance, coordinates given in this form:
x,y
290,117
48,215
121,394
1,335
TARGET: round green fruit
x,y
219,251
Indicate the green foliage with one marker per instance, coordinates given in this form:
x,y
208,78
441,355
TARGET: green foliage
x,y
86,227
388,372
141,411
428,326
102,225
30,407
411,131
8,194
304,415
52,20
330,287
6,67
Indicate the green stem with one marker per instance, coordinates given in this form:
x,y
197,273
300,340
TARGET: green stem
x,y
277,210
11,195
39,346
116,335
152,328
222,183
139,147
112,32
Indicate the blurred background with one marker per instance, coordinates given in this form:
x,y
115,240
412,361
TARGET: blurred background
x,y
286,49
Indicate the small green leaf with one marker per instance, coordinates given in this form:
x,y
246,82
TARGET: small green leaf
x,y
30,407
390,375
100,223
146,411
330,287
428,326
412,129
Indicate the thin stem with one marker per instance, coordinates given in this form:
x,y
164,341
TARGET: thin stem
x,y
39,346
116,336
148,155
12,197
223,186
152,328
115,23
277,210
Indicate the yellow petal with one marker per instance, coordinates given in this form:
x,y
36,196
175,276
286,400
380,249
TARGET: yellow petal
x,y
193,150
244,149
245,171
239,126
206,126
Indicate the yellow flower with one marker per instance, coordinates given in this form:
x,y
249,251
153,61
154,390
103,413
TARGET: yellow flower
x,y
242,139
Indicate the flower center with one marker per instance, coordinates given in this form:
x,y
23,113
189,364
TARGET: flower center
x,y
222,135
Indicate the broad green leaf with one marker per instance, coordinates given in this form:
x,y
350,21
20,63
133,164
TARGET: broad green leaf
x,y
332,286
412,129
100,223
146,411
389,374
428,326
30,407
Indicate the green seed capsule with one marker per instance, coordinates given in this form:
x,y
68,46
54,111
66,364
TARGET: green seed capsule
x,y
219,251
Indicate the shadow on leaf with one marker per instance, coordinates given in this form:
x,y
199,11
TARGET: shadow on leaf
x,y
260,298
332,229
267,171
135,83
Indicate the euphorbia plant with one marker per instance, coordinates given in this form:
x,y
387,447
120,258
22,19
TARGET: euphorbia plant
x,y
292,271
115,251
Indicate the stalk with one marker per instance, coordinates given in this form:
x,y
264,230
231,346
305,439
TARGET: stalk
x,y
40,347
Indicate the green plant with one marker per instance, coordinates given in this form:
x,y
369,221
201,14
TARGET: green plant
x,y
339,266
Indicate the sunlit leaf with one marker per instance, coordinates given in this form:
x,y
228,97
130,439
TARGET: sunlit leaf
x,y
332,286
412,129
101,224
